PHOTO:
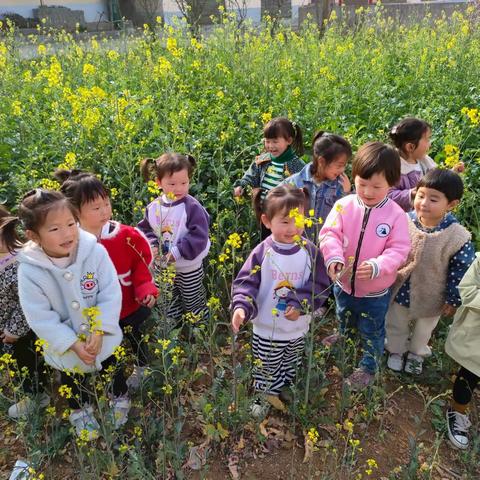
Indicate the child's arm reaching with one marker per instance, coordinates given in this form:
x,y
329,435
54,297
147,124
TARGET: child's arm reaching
x,y
250,178
457,268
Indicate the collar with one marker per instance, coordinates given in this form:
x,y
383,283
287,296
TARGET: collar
x,y
280,247
378,205
285,157
166,202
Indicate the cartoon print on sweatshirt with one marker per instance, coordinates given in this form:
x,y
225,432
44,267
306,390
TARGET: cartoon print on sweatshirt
x,y
280,293
167,238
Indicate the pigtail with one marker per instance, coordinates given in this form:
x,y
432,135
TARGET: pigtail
x,y
147,168
306,202
192,160
297,143
62,175
8,230
257,203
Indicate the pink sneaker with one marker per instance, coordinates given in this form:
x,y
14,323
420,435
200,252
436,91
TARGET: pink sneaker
x,y
359,380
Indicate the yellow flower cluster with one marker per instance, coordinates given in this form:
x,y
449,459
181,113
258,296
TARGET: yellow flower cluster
x,y
472,114
234,240
49,184
69,162
452,153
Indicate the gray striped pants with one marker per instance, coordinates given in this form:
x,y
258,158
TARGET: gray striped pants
x,y
276,362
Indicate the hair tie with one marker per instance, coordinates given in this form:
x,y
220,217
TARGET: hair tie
x,y
393,131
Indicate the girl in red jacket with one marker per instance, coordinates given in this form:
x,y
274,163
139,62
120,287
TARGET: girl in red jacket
x,y
129,251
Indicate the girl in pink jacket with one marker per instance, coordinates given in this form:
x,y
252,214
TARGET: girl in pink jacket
x,y
364,241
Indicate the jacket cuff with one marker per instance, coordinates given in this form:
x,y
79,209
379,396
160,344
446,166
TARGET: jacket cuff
x,y
146,289
334,260
375,268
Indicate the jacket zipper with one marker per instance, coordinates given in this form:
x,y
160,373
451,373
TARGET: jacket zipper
x,y
359,246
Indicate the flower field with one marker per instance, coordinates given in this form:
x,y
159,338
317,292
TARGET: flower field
x,y
103,106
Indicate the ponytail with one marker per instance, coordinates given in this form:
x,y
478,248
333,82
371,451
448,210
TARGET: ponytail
x,y
147,168
257,203
8,230
297,143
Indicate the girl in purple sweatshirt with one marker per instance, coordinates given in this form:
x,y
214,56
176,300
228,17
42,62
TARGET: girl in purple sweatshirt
x,y
282,282
176,225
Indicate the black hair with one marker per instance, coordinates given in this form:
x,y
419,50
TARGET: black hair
x,y
283,127
329,147
408,130
446,181
280,199
81,187
377,157
8,230
166,164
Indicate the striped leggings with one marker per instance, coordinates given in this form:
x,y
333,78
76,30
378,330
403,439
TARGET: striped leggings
x,y
275,363
188,296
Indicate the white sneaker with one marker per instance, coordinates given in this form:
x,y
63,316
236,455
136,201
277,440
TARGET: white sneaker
x,y
395,362
259,409
138,375
85,423
457,427
120,408
414,364
27,405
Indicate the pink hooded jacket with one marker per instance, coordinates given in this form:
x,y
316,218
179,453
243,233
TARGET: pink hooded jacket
x,y
354,233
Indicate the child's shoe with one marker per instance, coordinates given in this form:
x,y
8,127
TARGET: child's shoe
x,y
276,403
457,426
395,362
85,423
27,405
359,380
136,378
259,409
414,364
120,408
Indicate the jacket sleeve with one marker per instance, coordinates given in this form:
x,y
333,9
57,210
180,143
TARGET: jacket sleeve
x,y
469,287
401,196
195,240
457,268
331,237
16,324
250,177
109,296
142,257
396,249
313,293
246,285
145,227
41,318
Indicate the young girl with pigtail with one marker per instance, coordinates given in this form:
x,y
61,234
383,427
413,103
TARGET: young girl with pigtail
x,y
16,337
130,253
177,227
283,142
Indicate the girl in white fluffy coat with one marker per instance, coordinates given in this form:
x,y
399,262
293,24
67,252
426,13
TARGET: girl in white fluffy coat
x,y
70,293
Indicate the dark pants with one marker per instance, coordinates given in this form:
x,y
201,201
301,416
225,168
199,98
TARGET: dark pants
x,y
132,329
367,315
30,361
464,385
82,388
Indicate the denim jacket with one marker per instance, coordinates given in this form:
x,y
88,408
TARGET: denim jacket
x,y
323,196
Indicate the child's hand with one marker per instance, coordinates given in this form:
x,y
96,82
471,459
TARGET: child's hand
x,y
364,271
149,301
94,343
85,356
6,338
459,167
335,270
238,191
448,310
238,318
346,184
155,252
291,313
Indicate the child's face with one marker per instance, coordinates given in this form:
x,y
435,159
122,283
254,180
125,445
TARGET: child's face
x,y
58,236
276,146
431,206
175,186
423,146
373,190
332,170
95,214
283,227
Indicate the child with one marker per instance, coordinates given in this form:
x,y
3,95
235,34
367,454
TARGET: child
x,y
18,340
441,254
411,137
463,346
324,177
364,241
283,144
176,225
278,287
129,251
69,292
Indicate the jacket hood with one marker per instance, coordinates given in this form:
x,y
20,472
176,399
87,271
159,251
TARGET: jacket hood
x,y
33,254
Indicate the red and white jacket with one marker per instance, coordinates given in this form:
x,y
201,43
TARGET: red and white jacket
x,y
132,256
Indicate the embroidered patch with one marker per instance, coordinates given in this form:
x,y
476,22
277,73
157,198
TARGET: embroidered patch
x,y
383,229
88,284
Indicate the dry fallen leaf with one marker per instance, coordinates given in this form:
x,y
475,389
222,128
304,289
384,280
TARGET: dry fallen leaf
x,y
233,466
197,456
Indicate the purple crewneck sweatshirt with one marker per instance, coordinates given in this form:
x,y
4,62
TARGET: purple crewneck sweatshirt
x,y
179,227
274,277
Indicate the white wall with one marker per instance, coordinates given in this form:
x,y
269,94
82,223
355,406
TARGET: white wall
x,y
92,8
